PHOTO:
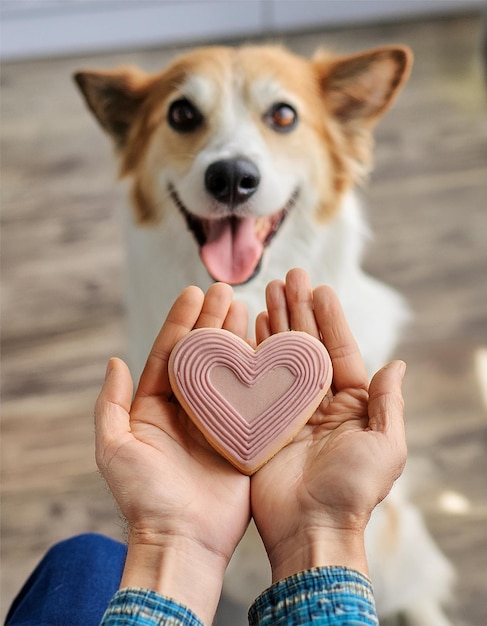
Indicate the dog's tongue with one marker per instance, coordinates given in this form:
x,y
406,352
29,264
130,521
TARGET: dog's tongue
x,y
232,250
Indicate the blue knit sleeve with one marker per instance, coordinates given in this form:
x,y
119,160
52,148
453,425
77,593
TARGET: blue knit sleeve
x,y
142,607
322,596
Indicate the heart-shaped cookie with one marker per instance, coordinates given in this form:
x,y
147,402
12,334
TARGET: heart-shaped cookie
x,y
249,403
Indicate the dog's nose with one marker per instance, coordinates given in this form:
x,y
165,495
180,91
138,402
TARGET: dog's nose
x,y
232,181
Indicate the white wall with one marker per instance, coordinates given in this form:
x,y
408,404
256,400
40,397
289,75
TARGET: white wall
x,y
32,28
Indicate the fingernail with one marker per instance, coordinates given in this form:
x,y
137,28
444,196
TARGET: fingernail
x,y
401,368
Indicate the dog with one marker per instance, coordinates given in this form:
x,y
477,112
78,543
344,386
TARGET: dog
x,y
242,164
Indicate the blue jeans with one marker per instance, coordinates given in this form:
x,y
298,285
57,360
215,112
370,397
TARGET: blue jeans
x,y
72,585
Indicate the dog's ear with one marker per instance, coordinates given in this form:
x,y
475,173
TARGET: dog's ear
x,y
114,98
360,88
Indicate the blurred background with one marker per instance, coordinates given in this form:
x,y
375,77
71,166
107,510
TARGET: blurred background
x,y
62,249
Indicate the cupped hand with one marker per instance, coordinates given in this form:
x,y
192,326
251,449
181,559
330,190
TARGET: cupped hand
x,y
312,501
184,504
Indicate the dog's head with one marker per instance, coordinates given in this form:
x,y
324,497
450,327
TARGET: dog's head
x,y
236,138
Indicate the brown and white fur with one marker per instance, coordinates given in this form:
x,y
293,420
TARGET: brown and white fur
x,y
242,163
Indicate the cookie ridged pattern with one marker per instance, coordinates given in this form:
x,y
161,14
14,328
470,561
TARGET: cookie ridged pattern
x,y
249,403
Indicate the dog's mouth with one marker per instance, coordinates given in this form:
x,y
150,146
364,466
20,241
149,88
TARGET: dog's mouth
x,y
232,247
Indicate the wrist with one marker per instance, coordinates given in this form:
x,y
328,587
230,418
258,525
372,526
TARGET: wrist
x,y
177,567
319,548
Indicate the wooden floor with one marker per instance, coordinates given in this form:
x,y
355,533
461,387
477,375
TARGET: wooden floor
x,y
62,311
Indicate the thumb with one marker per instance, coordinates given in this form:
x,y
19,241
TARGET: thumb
x,y
112,408
386,404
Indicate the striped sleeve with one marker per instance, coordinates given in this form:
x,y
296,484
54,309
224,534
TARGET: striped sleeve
x,y
142,607
321,596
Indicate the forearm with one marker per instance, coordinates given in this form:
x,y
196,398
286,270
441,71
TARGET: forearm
x,y
318,548
183,570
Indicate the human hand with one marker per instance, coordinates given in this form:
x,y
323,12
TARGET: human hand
x,y
312,501
186,507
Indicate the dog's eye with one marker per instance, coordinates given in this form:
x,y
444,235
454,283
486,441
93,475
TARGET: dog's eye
x,y
281,117
183,116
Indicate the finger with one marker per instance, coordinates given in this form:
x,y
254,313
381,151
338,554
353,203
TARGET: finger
x,y
216,305
237,319
180,320
112,408
275,296
299,297
386,403
262,327
348,366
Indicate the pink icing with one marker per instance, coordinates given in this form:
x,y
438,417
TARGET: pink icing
x,y
251,400
248,403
